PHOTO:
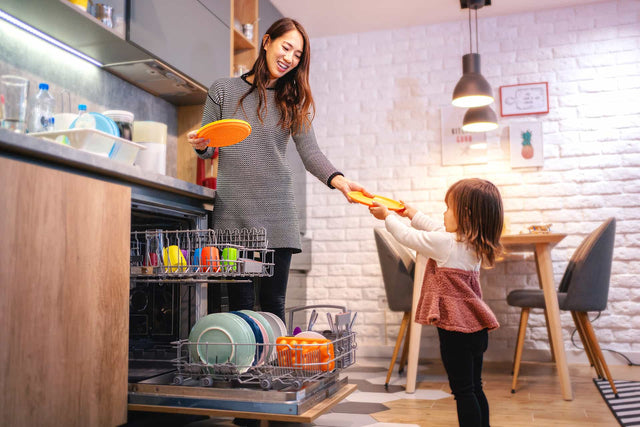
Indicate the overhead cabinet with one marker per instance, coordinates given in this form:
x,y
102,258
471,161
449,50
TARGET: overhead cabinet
x,y
186,34
172,49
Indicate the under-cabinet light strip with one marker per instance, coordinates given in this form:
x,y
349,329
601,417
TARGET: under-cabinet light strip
x,y
43,36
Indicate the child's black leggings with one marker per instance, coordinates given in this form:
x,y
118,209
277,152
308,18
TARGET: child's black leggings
x,y
462,358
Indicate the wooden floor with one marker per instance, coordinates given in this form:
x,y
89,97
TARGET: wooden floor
x,y
537,400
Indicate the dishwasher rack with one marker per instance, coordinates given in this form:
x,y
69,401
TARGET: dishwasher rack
x,y
194,256
287,365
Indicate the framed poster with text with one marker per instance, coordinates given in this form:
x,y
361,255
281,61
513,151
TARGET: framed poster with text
x,y
460,147
518,100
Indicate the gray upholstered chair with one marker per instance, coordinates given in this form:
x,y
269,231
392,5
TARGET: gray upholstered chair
x,y
584,288
397,264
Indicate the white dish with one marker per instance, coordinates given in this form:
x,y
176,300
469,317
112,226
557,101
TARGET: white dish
x,y
310,334
278,326
98,142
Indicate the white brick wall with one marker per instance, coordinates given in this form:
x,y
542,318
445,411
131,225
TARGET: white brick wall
x,y
378,98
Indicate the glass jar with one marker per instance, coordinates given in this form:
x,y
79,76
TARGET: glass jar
x,y
124,120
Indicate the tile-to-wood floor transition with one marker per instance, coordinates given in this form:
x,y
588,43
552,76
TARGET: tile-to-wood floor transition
x,y
537,401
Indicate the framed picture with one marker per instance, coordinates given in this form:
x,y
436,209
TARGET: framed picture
x,y
531,98
525,140
460,147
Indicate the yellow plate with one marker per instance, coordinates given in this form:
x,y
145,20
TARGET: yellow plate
x,y
357,196
392,205
222,133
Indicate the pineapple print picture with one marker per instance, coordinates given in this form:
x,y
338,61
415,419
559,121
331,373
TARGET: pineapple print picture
x,y
525,140
527,149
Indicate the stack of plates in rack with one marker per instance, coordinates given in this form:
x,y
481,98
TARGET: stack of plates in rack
x,y
223,338
266,352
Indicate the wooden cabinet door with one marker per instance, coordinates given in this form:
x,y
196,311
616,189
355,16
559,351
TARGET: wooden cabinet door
x,y
64,291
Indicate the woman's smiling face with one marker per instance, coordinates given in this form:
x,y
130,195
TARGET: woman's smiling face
x,y
283,54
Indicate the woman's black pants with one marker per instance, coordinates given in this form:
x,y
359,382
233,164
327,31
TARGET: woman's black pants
x,y
272,290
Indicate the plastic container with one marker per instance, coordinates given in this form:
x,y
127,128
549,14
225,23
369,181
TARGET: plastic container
x,y
41,110
124,120
152,135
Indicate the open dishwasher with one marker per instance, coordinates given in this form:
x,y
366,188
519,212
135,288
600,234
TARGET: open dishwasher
x,y
284,378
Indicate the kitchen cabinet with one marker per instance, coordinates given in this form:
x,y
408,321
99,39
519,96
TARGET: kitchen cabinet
x,y
244,51
185,34
64,297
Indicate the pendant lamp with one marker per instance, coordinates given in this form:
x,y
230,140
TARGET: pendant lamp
x,y
472,89
479,119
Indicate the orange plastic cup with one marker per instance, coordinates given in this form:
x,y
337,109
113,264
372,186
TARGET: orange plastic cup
x,y
210,259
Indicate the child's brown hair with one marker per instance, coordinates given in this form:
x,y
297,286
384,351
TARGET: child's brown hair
x,y
478,209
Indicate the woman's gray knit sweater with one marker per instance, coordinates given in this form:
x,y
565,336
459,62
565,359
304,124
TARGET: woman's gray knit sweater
x,y
254,185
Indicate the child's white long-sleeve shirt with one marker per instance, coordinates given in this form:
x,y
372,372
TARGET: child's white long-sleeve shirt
x,y
430,239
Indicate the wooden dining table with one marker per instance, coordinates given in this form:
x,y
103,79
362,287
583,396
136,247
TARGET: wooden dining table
x,y
540,244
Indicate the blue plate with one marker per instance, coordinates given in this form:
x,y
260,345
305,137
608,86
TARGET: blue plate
x,y
103,123
257,333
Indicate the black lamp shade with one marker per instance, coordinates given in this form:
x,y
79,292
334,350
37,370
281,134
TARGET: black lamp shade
x,y
472,90
479,119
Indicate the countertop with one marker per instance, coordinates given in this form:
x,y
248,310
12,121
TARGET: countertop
x,y
41,151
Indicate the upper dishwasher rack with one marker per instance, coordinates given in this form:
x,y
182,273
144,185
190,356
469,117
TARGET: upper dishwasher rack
x,y
200,255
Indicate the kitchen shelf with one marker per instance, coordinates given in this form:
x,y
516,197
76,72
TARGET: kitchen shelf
x,y
65,22
244,51
240,42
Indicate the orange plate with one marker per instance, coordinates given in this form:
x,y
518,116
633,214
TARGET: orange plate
x,y
357,196
225,132
392,205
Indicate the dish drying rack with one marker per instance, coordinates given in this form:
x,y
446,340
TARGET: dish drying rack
x,y
286,365
151,259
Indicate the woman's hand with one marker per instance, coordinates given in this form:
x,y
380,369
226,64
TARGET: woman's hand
x,y
345,186
379,211
408,211
197,143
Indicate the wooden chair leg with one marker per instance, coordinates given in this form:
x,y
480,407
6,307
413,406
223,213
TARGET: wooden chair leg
x,y
522,329
587,345
403,327
405,347
597,351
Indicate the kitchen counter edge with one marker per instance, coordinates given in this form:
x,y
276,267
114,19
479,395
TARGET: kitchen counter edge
x,y
46,152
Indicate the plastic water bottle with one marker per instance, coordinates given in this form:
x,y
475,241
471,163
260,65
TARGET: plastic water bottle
x,y
41,113
84,120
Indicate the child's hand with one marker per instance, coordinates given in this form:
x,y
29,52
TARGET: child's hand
x,y
408,211
379,211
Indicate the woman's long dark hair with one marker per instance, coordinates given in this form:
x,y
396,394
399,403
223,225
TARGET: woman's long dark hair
x,y
478,209
292,91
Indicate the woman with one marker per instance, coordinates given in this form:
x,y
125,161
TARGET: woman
x,y
254,185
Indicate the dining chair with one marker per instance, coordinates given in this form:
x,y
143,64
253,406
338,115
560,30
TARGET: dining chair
x,y
397,264
584,288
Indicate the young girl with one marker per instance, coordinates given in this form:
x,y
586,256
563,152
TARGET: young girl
x,y
255,184
451,298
